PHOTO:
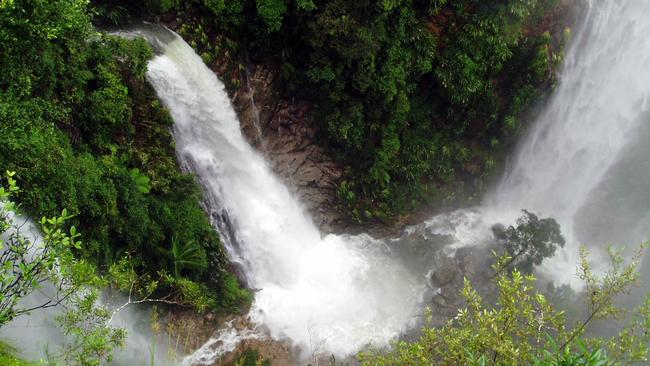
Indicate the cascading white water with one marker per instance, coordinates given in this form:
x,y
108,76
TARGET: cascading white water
x,y
333,293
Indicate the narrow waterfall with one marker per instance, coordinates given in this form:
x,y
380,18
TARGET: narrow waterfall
x,y
333,293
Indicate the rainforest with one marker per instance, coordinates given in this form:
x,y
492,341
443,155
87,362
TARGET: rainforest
x,y
306,182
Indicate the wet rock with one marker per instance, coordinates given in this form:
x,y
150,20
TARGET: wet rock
x,y
240,324
445,273
189,327
186,331
278,353
309,176
284,132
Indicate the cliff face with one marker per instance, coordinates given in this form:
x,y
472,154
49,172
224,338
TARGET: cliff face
x,y
285,133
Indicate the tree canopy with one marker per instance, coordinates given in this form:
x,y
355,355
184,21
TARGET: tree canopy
x,y
532,240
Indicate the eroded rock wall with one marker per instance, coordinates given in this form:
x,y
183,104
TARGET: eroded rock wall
x,y
284,132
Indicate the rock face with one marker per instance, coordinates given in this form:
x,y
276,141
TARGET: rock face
x,y
284,133
448,279
186,331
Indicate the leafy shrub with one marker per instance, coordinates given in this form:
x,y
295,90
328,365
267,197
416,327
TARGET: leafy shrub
x,y
517,325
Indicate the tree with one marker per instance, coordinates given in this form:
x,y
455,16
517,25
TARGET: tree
x,y
521,327
90,337
33,263
272,12
163,288
30,263
532,240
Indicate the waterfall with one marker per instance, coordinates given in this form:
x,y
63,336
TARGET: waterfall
x,y
585,161
323,293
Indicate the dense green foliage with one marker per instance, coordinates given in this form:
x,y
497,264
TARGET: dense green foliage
x,y
416,98
251,357
83,131
8,358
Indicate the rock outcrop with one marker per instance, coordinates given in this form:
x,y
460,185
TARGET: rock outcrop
x,y
284,132
186,331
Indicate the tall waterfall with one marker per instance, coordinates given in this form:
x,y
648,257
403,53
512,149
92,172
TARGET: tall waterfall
x,y
584,162
332,293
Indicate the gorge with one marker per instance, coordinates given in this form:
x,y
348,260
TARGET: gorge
x,y
274,260
338,293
